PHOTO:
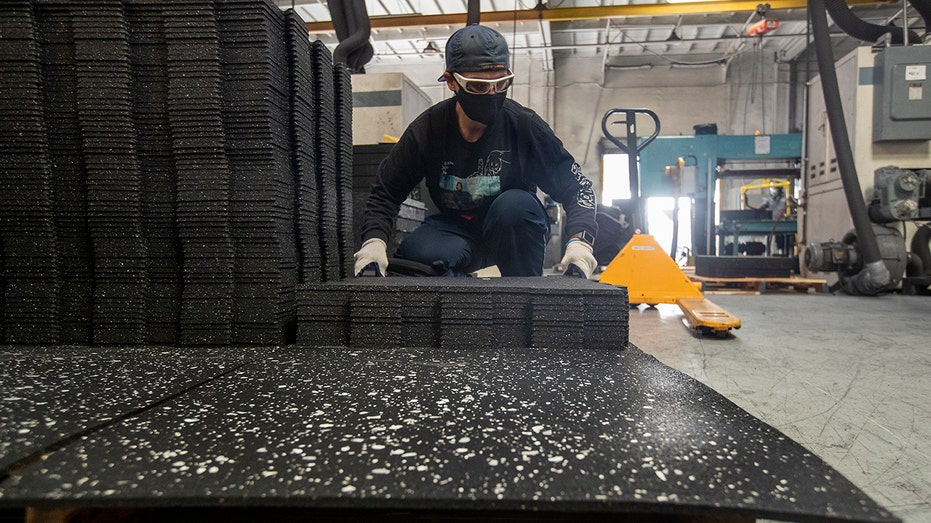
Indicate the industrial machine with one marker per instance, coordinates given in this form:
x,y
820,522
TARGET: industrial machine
x,y
650,275
884,131
899,195
711,169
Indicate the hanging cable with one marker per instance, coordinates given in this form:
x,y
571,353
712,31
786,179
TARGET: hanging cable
x,y
762,89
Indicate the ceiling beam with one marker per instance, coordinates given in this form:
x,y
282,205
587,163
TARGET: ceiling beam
x,y
563,14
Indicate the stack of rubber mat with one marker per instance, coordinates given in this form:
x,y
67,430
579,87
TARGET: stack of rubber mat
x,y
303,150
601,319
148,57
75,259
342,84
466,318
256,107
325,310
326,144
455,313
554,322
511,316
375,316
203,187
420,328
160,176
27,222
113,181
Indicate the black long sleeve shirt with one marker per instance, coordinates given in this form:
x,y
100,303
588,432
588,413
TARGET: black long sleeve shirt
x,y
464,178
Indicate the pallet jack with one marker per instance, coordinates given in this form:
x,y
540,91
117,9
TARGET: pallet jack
x,y
649,273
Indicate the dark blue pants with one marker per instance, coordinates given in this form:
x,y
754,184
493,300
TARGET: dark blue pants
x,y
512,236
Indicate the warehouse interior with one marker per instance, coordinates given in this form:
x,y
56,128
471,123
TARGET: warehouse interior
x,y
183,335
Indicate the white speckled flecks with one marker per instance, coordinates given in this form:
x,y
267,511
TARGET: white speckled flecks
x,y
543,428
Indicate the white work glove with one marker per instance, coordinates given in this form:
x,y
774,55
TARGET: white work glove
x,y
372,250
579,253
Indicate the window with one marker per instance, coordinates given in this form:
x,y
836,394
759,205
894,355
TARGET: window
x,y
659,218
615,178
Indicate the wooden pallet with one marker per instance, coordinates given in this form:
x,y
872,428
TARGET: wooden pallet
x,y
759,285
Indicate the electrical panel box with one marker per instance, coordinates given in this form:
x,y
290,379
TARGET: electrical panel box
x,y
902,94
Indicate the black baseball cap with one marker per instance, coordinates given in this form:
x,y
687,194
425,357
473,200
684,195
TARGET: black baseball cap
x,y
476,48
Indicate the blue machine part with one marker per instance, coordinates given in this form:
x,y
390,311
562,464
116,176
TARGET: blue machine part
x,y
698,150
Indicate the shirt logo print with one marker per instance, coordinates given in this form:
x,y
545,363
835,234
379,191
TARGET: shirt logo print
x,y
493,165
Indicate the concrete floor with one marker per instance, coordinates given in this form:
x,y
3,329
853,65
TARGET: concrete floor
x,y
847,377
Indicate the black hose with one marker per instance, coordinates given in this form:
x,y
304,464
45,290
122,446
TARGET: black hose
x,y
473,12
924,9
921,247
359,29
351,21
340,24
857,28
848,170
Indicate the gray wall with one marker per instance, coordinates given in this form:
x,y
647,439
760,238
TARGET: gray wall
x,y
681,96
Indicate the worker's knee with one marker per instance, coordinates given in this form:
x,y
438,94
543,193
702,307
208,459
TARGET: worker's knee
x,y
516,208
434,241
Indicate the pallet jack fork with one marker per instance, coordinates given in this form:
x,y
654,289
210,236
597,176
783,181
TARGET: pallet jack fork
x,y
650,275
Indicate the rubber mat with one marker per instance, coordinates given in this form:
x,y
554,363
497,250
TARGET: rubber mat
x,y
52,394
555,312
255,113
187,202
27,223
527,430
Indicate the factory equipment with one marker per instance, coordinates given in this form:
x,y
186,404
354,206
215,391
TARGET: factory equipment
x,y
711,160
650,275
885,130
898,195
764,25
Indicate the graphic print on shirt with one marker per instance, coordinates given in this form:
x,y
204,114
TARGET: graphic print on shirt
x,y
484,182
585,197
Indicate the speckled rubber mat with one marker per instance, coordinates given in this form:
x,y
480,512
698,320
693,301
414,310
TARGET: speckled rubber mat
x,y
48,395
171,171
417,429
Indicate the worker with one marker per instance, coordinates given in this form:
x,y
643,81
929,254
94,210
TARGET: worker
x,y
482,156
775,203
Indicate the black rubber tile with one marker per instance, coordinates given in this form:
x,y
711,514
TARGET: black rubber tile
x,y
322,316
481,313
537,430
342,86
303,149
28,308
51,394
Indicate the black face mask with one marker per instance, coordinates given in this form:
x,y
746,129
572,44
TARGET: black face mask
x,y
482,108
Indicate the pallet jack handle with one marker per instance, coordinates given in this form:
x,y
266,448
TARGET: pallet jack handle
x,y
632,148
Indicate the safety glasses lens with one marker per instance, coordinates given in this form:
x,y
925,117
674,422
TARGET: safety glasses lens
x,y
482,86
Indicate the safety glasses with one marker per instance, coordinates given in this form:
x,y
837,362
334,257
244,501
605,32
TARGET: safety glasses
x,y
483,86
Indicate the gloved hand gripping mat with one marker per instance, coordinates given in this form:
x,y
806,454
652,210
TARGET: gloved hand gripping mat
x,y
571,430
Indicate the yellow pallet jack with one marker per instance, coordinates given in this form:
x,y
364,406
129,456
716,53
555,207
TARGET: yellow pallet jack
x,y
649,273
652,277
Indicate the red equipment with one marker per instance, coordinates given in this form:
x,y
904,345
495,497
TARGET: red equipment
x,y
766,25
